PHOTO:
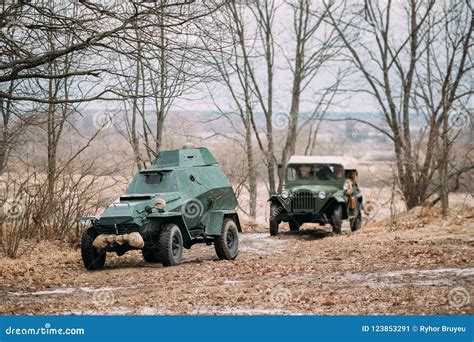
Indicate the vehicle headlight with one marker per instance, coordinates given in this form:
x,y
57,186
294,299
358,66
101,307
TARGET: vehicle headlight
x,y
345,186
285,194
160,204
322,194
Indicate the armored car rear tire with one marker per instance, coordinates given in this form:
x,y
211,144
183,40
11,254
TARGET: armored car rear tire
x,y
227,244
171,245
337,218
92,258
274,209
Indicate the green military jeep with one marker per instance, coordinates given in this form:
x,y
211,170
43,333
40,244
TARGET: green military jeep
x,y
322,189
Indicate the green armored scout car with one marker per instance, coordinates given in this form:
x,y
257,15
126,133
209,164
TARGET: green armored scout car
x,y
184,198
321,190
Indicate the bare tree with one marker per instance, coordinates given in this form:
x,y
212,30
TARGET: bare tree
x,y
96,27
10,126
232,73
155,73
407,81
263,13
443,90
316,44
95,34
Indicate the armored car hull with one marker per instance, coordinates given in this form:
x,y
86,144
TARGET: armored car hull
x,y
184,198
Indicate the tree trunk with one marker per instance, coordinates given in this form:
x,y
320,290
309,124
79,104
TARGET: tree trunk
x,y
252,174
290,144
444,178
160,120
133,133
270,159
52,141
6,135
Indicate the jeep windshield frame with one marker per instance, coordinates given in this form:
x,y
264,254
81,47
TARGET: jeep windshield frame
x,y
316,173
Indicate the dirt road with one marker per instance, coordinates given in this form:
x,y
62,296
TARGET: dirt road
x,y
424,270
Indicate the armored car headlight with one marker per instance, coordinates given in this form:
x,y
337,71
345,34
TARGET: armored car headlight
x,y
322,194
285,194
160,204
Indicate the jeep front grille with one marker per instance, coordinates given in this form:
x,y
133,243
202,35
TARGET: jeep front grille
x,y
303,201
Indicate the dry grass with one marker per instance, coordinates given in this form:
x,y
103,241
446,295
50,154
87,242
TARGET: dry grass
x,y
410,269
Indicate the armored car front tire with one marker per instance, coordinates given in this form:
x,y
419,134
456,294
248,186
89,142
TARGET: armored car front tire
x,y
92,258
227,244
171,245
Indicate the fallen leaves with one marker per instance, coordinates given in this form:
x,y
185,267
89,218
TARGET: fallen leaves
x,y
306,273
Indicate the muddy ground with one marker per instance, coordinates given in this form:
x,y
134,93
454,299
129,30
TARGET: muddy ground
x,y
420,266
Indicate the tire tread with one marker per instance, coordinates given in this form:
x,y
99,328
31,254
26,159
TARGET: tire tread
x,y
220,243
165,247
93,260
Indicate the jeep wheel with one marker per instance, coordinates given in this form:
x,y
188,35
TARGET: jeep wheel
x,y
337,218
171,245
274,209
151,254
294,226
356,223
227,244
92,258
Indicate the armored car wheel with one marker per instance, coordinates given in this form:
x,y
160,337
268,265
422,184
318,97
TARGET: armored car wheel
x,y
273,219
151,254
227,244
92,258
337,218
170,245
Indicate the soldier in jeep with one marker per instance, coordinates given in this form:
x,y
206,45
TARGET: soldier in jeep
x,y
338,172
304,172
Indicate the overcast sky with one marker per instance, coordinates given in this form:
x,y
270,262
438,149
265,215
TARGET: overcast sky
x,y
283,31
